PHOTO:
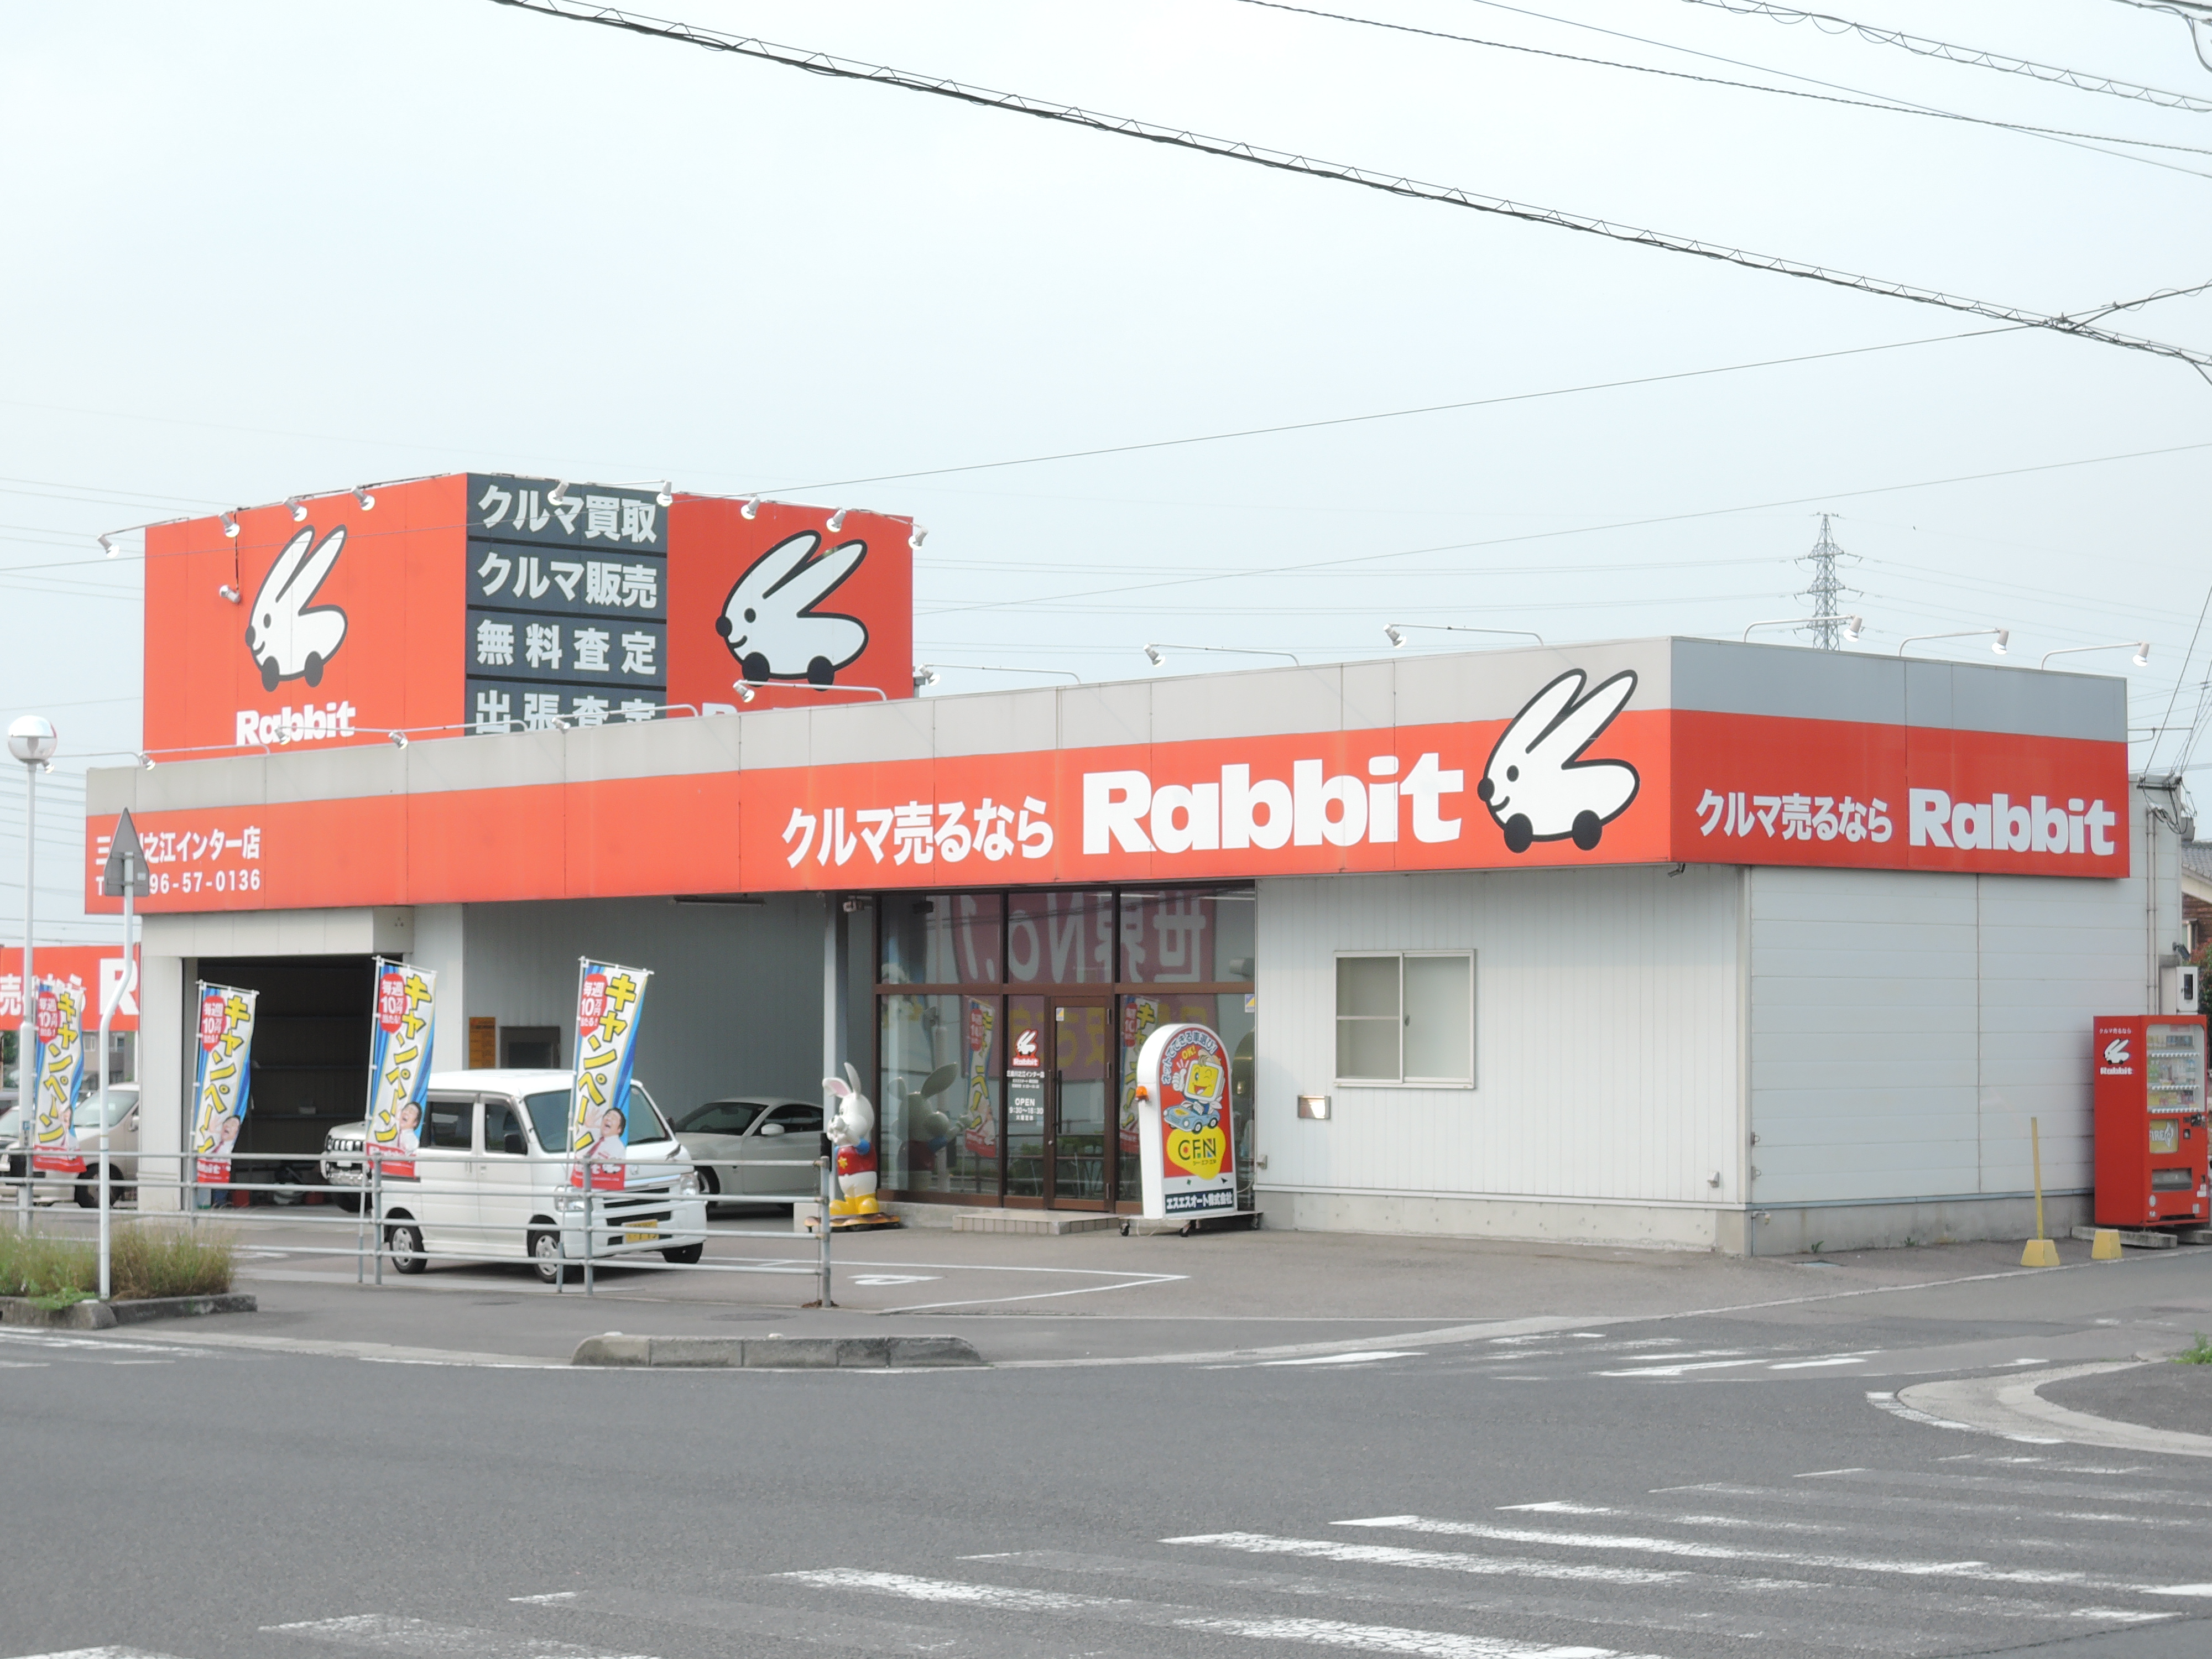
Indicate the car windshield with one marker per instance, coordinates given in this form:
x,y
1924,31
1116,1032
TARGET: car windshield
x,y
719,1117
120,1102
549,1115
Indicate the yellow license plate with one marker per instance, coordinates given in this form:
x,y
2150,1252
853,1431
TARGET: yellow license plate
x,y
641,1235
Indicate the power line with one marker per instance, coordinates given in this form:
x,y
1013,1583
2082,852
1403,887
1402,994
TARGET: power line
x,y
815,63
2195,17
1862,99
1973,55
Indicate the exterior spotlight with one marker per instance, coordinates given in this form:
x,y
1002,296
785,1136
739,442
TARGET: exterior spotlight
x,y
230,525
1156,654
111,545
558,496
228,592
399,739
1853,627
1391,634
837,518
666,494
913,542
146,762
2142,654
299,508
361,494
2002,640
751,509
744,690
924,675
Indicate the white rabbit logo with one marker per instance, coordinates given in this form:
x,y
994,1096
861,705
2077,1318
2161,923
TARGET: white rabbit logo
x,y
1536,784
769,622
2115,1052
288,639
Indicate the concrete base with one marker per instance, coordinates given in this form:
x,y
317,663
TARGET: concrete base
x,y
1777,1229
1052,1223
778,1352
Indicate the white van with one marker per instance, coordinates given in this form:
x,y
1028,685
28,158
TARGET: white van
x,y
491,1177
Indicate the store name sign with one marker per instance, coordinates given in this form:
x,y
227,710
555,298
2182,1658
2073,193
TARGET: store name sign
x,y
1123,809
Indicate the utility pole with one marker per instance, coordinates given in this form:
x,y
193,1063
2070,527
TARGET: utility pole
x,y
1827,590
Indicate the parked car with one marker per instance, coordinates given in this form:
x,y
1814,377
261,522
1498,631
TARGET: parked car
x,y
492,1174
50,1186
761,1146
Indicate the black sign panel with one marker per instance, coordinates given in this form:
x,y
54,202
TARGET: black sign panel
x,y
625,653
494,706
600,581
587,518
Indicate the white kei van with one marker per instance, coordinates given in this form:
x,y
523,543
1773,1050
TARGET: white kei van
x,y
490,1177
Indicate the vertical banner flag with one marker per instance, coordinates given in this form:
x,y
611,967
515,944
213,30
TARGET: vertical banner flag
x,y
223,1083
399,1063
58,1066
1182,1105
609,999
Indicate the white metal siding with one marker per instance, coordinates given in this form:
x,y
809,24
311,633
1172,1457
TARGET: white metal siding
x,y
1904,1028
1605,1008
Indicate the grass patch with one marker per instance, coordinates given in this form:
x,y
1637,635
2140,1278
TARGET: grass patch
x,y
146,1260
2199,1354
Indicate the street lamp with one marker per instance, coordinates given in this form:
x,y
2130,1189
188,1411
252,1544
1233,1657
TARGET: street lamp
x,y
30,740
1158,653
2141,648
1396,632
1852,626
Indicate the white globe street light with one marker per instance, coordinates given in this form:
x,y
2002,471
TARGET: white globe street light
x,y
30,740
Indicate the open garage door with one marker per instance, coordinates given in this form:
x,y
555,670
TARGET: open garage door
x,y
310,1047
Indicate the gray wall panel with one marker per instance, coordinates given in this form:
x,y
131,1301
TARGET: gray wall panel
x,y
1001,723
1097,716
1252,704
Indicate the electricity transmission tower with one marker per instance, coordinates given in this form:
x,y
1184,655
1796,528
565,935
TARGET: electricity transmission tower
x,y
1827,590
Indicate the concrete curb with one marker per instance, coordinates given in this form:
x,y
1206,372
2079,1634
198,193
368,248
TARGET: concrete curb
x,y
872,1353
105,1316
2008,1405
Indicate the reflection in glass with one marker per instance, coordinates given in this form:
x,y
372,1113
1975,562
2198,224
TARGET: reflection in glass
x,y
1080,1077
940,938
1060,939
937,1094
1025,1104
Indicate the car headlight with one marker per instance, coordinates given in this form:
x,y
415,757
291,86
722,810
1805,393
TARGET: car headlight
x,y
687,1183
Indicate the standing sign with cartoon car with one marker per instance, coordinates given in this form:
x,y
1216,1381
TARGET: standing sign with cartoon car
x,y
609,1000
58,1028
399,1067
223,1083
1189,1161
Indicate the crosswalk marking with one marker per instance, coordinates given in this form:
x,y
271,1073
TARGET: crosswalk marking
x,y
432,1641
1905,1503
1388,1555
1980,1571
1328,1632
100,1653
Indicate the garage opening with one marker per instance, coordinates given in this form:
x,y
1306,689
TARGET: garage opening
x,y
311,1038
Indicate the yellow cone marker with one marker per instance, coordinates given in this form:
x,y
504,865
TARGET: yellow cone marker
x,y
2040,1251
2105,1247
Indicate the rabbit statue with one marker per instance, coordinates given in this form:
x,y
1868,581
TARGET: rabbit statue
x,y
851,1129
288,639
1537,785
770,624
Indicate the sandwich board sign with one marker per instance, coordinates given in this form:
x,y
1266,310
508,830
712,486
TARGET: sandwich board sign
x,y
1183,1135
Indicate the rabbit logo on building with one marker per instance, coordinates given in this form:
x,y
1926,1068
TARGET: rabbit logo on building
x,y
290,637
1537,785
769,621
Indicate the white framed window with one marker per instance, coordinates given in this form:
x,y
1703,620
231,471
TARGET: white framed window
x,y
1405,1017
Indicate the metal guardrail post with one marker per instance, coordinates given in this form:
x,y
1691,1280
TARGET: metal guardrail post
x,y
828,1166
588,1231
376,1219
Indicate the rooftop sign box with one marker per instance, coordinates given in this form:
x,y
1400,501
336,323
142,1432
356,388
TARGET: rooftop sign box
x,y
1632,752
487,604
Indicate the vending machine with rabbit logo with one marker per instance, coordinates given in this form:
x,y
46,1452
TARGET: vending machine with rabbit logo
x,y
2150,1115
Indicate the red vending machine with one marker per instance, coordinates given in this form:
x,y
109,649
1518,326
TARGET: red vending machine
x,y
2150,1106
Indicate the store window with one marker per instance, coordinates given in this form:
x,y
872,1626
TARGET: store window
x,y
940,1061
1060,939
940,938
1406,1017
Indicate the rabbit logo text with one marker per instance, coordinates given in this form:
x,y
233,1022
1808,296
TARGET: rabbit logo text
x,y
1538,787
769,621
289,635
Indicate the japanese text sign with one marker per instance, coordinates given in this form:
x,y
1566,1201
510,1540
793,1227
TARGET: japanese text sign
x,y
1184,1146
223,1081
609,1000
400,1038
59,1067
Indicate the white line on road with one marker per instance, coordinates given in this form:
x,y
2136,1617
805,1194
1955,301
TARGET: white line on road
x,y
1981,1571
1387,1555
949,1589
420,1637
1391,1638
101,1653
1358,1358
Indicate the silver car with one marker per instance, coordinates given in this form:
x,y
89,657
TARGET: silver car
x,y
754,1146
49,1185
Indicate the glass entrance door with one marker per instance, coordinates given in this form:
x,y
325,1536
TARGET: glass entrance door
x,y
1077,1120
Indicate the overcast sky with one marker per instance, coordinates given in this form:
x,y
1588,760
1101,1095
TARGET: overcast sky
x,y
261,249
